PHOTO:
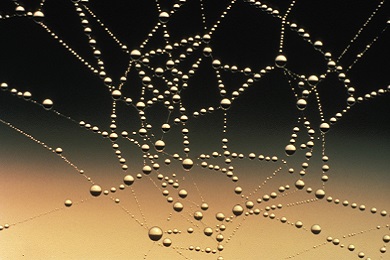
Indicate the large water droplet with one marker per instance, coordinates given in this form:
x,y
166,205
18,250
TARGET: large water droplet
x,y
155,233
95,190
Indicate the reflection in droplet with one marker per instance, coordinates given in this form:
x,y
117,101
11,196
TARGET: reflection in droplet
x,y
187,164
315,229
68,203
155,233
47,104
95,190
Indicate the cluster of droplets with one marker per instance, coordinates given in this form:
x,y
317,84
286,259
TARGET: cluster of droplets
x,y
176,81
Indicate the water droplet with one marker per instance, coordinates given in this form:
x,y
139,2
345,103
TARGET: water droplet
x,y
225,103
301,104
238,210
163,17
290,149
280,61
183,194
128,180
116,94
300,184
198,215
187,164
324,127
95,190
299,224
68,203
178,206
312,80
167,242
320,194
315,229
220,216
135,54
155,233
47,104
160,145
208,231
38,16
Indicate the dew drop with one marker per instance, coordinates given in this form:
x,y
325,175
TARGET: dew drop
x,y
280,61
290,149
95,190
301,104
128,180
225,103
187,164
167,242
38,16
208,231
68,203
47,104
238,210
163,17
178,206
300,184
116,94
315,229
155,233
159,145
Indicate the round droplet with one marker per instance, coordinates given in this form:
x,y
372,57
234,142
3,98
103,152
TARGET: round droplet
x,y
299,224
220,216
159,145
225,103
128,180
187,164
135,54
19,10
4,86
167,242
95,190
178,206
198,215
315,229
68,203
238,210
163,17
290,149
183,193
47,104
280,61
165,127
312,80
386,238
27,95
208,231
38,16
301,104
155,233
300,184
146,169
116,94
113,136
320,194
58,150
324,127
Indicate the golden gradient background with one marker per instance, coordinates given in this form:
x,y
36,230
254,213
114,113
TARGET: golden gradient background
x,y
34,183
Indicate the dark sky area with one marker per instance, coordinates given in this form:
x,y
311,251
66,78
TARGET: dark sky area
x,y
31,60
